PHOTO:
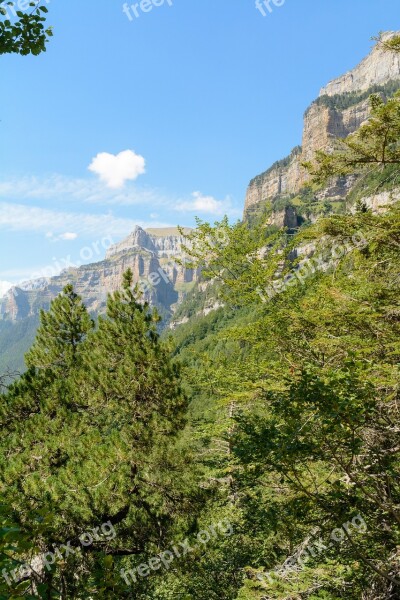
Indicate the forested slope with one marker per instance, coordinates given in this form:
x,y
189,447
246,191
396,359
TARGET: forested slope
x,y
252,453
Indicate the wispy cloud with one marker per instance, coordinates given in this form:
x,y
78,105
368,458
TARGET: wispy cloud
x,y
19,217
68,236
63,190
208,205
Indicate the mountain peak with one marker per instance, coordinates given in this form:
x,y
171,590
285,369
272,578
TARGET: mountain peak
x,y
138,238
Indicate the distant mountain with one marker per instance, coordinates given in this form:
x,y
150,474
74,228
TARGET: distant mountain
x,y
151,256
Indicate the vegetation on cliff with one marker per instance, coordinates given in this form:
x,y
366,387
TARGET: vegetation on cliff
x,y
343,101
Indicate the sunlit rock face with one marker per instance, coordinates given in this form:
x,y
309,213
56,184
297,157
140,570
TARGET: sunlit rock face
x,y
323,122
151,255
377,68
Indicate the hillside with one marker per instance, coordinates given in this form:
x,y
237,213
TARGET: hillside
x,y
248,448
340,109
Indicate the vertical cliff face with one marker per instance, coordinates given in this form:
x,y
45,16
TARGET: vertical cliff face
x,y
281,178
149,254
376,69
340,109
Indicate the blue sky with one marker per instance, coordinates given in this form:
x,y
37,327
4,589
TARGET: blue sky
x,y
204,94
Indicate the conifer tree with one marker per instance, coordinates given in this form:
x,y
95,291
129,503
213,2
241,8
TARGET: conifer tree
x,y
90,438
62,330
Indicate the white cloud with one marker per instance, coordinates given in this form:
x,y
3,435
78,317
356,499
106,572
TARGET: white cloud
x,y
58,188
19,217
208,204
4,287
116,170
68,236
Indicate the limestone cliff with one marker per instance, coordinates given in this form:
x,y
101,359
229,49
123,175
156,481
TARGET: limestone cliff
x,y
150,255
340,109
376,69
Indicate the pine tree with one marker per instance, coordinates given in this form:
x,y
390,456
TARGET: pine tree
x,y
90,437
63,329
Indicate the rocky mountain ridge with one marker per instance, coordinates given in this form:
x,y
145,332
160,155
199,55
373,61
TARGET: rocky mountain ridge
x,y
151,256
375,69
340,109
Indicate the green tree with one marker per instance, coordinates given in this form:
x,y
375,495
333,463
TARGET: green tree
x,y
95,440
312,376
23,32
60,335
389,45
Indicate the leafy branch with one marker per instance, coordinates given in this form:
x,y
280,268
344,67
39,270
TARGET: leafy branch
x,y
26,35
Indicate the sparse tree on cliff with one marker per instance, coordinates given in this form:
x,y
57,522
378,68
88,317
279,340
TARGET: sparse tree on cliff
x,y
389,45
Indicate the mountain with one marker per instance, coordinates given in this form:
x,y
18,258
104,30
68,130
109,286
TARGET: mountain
x,y
150,254
341,107
273,384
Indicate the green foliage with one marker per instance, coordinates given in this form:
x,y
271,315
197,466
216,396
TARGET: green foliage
x,y
26,33
389,45
63,329
373,182
237,256
279,415
286,427
91,437
295,403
